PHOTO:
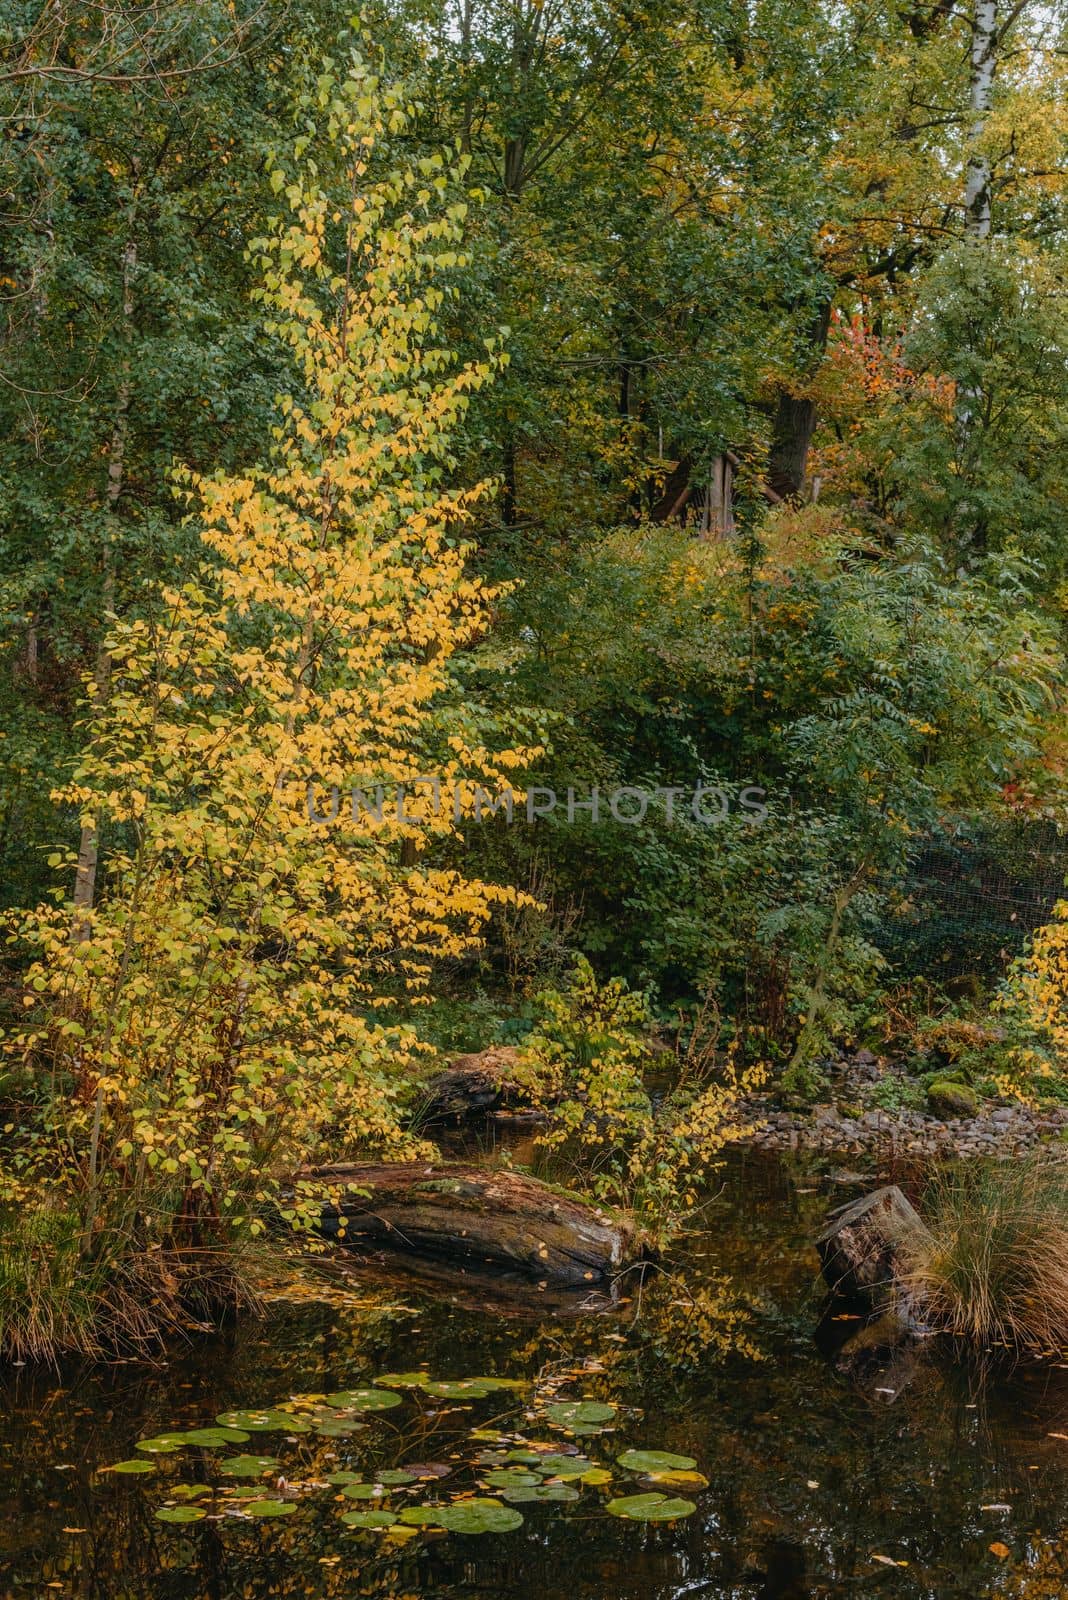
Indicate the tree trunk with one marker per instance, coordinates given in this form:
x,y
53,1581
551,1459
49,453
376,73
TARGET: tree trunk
x,y
472,1084
860,1247
89,842
984,65
795,420
499,1218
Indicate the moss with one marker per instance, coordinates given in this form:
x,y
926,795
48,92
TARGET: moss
x,y
949,1099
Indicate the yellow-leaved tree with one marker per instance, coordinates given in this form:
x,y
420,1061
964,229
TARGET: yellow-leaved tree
x,y
213,1019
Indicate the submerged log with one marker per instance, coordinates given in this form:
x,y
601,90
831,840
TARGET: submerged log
x,y
860,1248
472,1084
503,1219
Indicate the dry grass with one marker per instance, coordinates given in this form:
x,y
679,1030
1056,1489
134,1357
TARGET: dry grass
x,y
993,1268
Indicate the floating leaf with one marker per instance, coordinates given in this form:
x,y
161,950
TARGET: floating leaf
x,y
1002,1551
521,1493
650,1508
367,1519
190,1491
263,1422
422,1516
397,1475
479,1516
679,1480
363,1491
655,1461
215,1438
339,1478
364,1399
131,1466
268,1508
511,1478
180,1514
247,1466
581,1413
164,1444
597,1477
403,1380
339,1427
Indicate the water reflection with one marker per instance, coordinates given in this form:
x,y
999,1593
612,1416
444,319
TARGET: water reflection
x,y
824,1480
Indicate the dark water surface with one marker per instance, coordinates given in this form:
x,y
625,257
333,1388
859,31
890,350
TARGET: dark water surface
x,y
813,1473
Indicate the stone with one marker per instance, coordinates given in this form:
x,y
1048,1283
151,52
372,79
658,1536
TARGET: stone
x,y
952,1100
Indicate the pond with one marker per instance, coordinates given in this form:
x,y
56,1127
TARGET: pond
x,y
899,1479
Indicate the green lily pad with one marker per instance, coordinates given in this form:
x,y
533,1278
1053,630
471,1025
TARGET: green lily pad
x,y
403,1380
650,1508
521,1493
511,1478
190,1491
339,1427
422,1516
341,1478
581,1413
363,1491
367,1519
364,1399
655,1461
163,1444
457,1389
247,1466
397,1475
263,1422
215,1438
479,1516
131,1466
180,1514
268,1508
564,1466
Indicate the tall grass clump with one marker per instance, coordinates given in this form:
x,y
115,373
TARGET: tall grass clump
x,y
992,1266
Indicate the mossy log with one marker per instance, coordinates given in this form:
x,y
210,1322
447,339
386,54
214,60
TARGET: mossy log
x,y
860,1248
497,1218
472,1085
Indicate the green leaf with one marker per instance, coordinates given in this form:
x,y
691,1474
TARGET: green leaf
x,y
650,1508
180,1514
655,1461
247,1466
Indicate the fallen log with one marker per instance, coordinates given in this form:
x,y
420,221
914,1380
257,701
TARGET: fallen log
x,y
472,1085
860,1249
503,1219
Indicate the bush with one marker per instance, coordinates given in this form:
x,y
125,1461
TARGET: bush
x,y
992,1265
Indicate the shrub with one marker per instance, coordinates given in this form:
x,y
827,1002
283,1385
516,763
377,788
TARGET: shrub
x,y
992,1266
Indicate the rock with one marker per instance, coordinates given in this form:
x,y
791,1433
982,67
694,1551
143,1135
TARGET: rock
x,y
860,1247
948,1099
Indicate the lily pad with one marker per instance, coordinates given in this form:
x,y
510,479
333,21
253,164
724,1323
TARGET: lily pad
x,y
422,1516
397,1475
678,1480
341,1478
479,1516
403,1380
511,1478
163,1444
263,1422
268,1508
338,1427
367,1519
131,1466
247,1466
364,1399
579,1413
655,1461
215,1438
189,1491
521,1493
650,1508
363,1491
180,1514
